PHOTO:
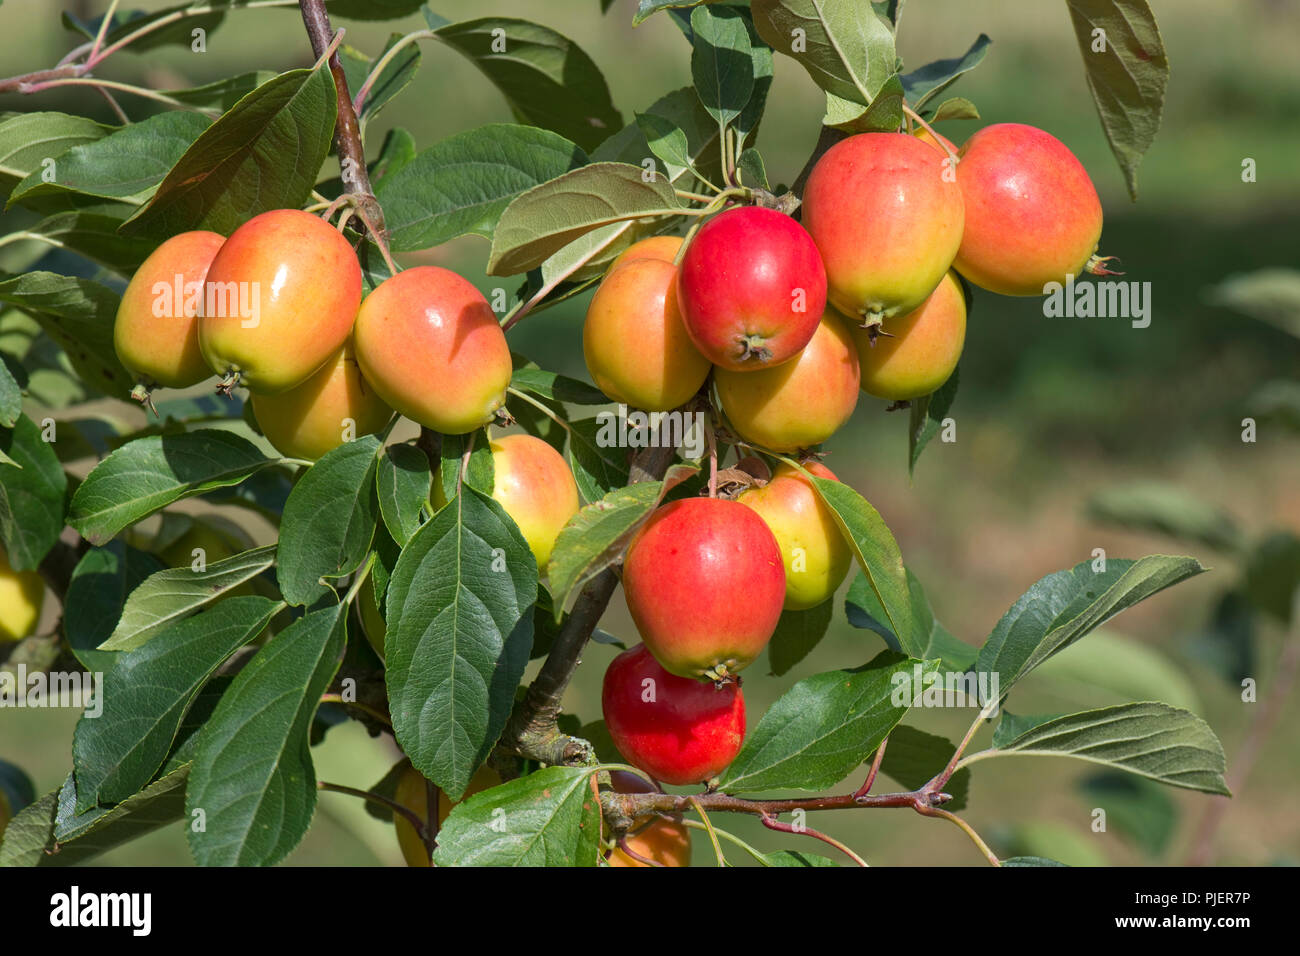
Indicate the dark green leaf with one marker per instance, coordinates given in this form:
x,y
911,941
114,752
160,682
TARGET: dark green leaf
x,y
395,76
29,139
599,461
329,520
559,388
1136,808
146,693
97,592
460,623
547,78
265,153
823,728
932,79
92,232
1127,77
168,596
548,818
1273,574
222,94
252,775
721,62
32,495
913,758
462,184
926,418
148,474
846,48
797,633
480,473
403,481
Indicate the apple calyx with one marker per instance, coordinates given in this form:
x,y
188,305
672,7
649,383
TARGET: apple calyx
x,y
1097,265
228,382
752,348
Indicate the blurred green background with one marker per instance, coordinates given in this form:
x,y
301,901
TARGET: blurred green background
x,y
1049,412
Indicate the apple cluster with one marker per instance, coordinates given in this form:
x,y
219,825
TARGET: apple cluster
x,y
791,321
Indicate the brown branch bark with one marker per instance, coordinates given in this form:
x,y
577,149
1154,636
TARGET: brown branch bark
x,y
347,130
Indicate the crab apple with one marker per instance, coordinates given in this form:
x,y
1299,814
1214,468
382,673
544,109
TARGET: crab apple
x,y
336,404
1032,212
22,593
751,288
678,730
704,582
372,619
279,300
156,333
430,344
664,248
886,213
916,352
798,404
817,557
413,794
535,485
663,841
636,347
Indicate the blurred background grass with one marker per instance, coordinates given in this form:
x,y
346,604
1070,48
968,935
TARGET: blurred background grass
x,y
1049,411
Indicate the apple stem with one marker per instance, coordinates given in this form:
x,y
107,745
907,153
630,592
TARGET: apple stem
x,y
875,767
913,115
712,439
772,823
1098,266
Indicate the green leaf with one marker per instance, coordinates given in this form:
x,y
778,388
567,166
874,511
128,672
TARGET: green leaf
x,y
480,473
395,77
1269,295
1167,509
1137,809
559,388
862,607
11,393
599,464
929,81
460,629
1127,74
595,537
222,94
878,555
78,315
548,818
329,520
150,473
1150,739
126,165
885,114
926,418
265,153
1029,861
252,775
721,62
796,858
461,185
33,489
93,233
645,8
97,592
376,9
823,728
847,49
51,833
682,109
168,596
752,168
28,139
128,22
403,482
797,633
955,107
913,758
1063,607
548,217
146,693
546,78
1011,726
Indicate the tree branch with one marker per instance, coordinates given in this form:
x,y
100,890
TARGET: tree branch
x,y
347,131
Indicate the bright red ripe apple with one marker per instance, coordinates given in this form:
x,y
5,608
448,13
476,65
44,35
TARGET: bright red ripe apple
x,y
751,288
430,344
704,583
798,404
679,731
156,333
919,350
1032,212
886,214
634,341
279,301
